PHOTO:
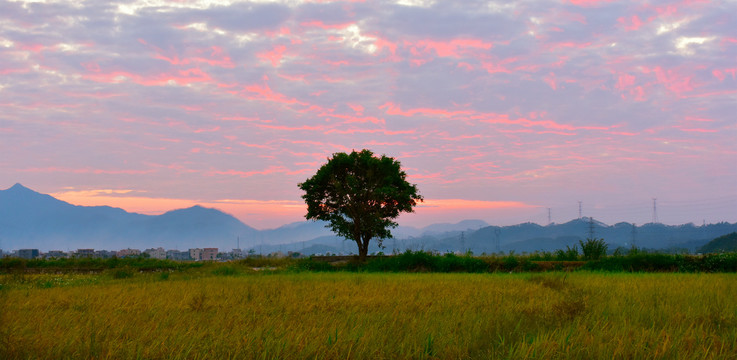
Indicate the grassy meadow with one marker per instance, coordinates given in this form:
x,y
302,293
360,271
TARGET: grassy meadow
x,y
232,311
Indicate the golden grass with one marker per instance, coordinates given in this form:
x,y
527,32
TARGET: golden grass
x,y
372,316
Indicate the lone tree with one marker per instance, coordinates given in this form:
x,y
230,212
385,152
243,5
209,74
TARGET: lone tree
x,y
360,195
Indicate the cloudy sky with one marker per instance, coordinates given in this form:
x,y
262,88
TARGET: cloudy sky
x,y
497,110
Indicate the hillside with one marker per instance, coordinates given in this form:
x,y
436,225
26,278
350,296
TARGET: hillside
x,y
29,219
721,244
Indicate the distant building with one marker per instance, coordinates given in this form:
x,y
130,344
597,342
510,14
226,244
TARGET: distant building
x,y
195,254
27,253
210,254
128,253
85,253
56,254
105,254
237,254
158,253
177,255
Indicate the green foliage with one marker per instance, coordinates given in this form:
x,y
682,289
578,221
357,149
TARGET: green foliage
x,y
308,264
121,273
593,249
409,261
225,270
359,195
420,261
569,254
658,262
94,264
724,243
510,262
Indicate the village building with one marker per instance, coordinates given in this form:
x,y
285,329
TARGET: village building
x,y
177,255
55,254
157,253
128,253
28,253
210,254
195,254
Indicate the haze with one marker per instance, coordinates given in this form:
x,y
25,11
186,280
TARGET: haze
x,y
497,110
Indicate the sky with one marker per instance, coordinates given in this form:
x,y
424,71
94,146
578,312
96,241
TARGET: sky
x,y
502,111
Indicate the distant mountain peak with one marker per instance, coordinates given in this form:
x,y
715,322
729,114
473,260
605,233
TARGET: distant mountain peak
x,y
18,187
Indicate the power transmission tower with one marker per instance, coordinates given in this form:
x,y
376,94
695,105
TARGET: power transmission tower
x,y
655,211
579,210
549,218
463,241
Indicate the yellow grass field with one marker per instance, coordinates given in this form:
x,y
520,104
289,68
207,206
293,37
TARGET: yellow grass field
x,y
288,315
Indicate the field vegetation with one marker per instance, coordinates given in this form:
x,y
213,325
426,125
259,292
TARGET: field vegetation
x,y
273,308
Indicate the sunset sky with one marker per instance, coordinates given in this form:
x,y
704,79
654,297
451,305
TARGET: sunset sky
x,y
497,110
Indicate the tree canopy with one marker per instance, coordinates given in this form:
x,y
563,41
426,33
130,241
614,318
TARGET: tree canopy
x,y
360,195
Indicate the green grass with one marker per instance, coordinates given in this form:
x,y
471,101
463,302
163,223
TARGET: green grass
x,y
242,313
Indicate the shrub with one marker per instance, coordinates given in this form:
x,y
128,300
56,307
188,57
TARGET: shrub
x,y
593,249
510,262
122,273
225,270
569,254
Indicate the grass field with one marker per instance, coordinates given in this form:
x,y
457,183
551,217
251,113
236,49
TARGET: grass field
x,y
234,312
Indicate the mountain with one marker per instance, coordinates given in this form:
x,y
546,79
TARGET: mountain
x,y
464,225
29,219
721,244
32,220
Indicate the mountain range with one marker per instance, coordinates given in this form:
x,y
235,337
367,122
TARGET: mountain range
x,y
29,219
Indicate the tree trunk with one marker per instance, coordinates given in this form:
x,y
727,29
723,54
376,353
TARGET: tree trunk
x,y
362,251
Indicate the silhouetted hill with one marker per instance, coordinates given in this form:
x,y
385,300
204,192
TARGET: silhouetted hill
x,y
721,244
32,220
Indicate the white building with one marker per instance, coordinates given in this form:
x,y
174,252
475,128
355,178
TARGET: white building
x,y
157,253
195,254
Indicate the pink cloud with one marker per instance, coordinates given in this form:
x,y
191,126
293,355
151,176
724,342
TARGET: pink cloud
x,y
213,56
9,71
697,130
383,43
182,77
671,80
264,92
722,74
275,55
213,129
292,128
368,131
625,81
454,48
267,171
357,108
630,24
550,80
393,109
87,170
322,25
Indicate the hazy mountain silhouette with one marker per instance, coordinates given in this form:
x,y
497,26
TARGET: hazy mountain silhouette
x,y
29,219
32,220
